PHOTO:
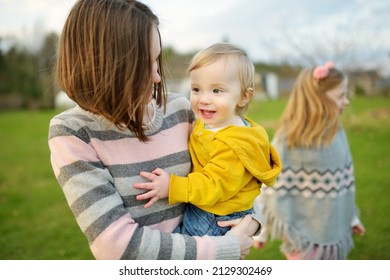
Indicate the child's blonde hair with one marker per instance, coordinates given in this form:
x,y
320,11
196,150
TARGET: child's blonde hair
x,y
311,118
245,67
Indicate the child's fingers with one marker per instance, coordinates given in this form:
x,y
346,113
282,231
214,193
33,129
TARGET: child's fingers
x,y
143,186
258,244
146,195
147,175
358,229
151,202
158,171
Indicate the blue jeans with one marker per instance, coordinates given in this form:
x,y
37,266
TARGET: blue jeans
x,y
197,222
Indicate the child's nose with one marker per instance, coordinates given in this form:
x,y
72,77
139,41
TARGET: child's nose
x,y
205,98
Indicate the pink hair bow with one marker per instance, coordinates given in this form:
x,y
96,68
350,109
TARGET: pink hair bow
x,y
321,72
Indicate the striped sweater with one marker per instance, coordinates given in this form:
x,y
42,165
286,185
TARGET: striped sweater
x,y
96,165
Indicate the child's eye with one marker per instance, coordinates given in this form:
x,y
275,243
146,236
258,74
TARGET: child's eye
x,y
216,90
195,89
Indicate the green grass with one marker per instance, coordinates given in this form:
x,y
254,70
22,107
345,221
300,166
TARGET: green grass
x,y
36,222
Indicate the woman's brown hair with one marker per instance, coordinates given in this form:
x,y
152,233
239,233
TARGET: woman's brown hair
x,y
104,62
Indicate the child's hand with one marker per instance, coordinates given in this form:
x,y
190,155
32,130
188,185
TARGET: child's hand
x,y
258,244
158,186
358,229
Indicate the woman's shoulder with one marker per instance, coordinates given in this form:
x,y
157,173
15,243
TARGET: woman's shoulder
x,y
177,99
177,102
75,118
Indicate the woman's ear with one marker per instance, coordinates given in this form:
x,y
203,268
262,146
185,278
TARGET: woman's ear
x,y
246,97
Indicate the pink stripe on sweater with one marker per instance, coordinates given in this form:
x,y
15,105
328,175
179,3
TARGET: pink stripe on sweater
x,y
68,149
205,248
167,225
130,150
113,241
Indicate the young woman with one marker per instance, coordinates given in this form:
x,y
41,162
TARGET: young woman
x,y
109,63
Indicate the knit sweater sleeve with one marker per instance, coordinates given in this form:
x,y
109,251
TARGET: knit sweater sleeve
x,y
112,231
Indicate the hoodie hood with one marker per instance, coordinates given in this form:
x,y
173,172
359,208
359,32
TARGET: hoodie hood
x,y
254,150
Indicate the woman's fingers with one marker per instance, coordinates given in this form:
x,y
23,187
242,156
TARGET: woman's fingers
x,y
229,223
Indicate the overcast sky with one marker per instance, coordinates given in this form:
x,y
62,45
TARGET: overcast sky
x,y
270,30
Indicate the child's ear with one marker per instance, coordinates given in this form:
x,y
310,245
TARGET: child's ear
x,y
246,97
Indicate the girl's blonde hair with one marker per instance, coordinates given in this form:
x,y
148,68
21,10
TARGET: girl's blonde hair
x,y
245,67
104,60
311,118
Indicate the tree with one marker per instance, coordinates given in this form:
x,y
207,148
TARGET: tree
x,y
26,76
46,63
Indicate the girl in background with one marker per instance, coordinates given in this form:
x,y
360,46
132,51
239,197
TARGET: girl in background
x,y
312,207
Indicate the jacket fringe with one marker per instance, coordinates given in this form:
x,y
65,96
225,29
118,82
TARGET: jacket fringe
x,y
294,243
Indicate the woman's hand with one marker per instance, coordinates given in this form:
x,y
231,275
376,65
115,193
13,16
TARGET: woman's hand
x,y
251,229
243,230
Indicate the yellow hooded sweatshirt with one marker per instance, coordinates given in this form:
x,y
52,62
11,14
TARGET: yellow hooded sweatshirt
x,y
229,167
